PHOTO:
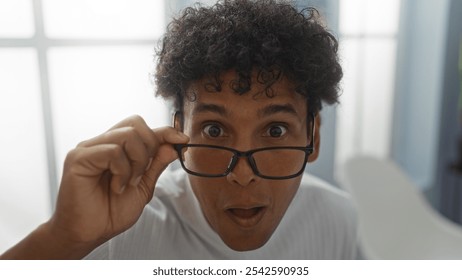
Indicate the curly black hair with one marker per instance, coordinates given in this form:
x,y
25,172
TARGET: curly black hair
x,y
270,37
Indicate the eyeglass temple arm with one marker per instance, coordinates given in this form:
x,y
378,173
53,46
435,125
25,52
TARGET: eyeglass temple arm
x,y
310,131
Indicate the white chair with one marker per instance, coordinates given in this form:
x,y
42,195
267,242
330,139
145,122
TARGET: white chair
x,y
395,220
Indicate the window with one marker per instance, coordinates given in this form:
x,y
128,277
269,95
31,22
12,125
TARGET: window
x,y
69,71
368,30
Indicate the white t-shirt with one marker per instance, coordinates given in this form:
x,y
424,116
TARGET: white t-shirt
x,y
320,223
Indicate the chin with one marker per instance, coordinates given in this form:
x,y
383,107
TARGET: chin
x,y
246,243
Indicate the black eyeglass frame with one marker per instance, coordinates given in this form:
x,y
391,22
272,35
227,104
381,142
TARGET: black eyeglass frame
x,y
309,149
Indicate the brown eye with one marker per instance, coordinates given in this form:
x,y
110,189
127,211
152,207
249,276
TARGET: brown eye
x,y
213,130
277,131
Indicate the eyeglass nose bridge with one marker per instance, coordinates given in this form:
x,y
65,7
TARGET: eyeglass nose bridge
x,y
238,154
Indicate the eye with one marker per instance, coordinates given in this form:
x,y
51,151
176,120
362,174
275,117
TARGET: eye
x,y
277,131
213,130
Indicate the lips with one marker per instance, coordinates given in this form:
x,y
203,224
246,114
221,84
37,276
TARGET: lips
x,y
246,217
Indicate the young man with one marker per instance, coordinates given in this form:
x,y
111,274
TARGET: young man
x,y
247,80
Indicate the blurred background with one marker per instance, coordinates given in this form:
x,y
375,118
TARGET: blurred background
x,y
70,69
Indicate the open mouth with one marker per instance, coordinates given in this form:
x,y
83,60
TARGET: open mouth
x,y
246,217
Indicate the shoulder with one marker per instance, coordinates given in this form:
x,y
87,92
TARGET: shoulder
x,y
324,195
322,199
171,183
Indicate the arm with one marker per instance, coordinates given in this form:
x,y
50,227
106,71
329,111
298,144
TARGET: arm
x,y
43,243
106,183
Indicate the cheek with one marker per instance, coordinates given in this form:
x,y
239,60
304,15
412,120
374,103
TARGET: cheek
x,y
208,195
283,196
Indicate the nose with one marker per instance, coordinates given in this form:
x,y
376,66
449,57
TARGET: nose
x,y
242,173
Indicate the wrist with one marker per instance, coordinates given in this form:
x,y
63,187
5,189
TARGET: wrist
x,y
48,243
65,245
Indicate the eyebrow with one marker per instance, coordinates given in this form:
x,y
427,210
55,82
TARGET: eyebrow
x,y
277,108
264,112
210,108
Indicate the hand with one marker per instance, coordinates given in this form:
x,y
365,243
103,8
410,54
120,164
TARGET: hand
x,y
108,180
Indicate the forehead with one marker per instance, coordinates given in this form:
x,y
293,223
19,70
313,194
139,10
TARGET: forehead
x,y
259,99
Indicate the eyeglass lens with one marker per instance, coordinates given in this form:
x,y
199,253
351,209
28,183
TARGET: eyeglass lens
x,y
273,163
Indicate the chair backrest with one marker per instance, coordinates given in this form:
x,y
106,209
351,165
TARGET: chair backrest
x,y
396,221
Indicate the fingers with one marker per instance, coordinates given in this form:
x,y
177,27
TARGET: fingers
x,y
130,142
138,125
93,161
134,125
147,151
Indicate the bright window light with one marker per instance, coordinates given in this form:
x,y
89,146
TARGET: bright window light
x,y
368,56
378,86
24,188
369,17
104,19
16,18
93,88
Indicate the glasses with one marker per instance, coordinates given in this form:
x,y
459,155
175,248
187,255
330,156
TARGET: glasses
x,y
276,163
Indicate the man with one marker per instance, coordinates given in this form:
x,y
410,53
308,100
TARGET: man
x,y
247,80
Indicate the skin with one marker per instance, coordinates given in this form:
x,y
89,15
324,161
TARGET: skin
x,y
243,208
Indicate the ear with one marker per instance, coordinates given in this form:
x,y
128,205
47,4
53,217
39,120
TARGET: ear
x,y
317,138
178,120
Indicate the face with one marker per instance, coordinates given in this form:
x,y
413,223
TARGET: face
x,y
243,208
